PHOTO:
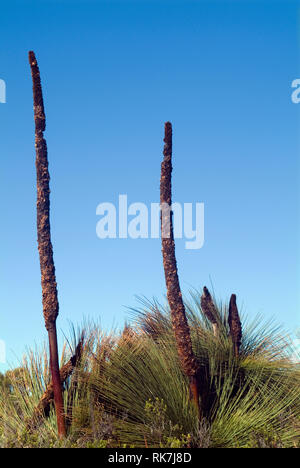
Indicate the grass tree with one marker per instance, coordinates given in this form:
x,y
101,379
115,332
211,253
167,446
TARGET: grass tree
x,y
129,390
48,279
179,320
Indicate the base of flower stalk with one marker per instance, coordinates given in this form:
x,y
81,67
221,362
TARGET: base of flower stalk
x,y
195,394
57,388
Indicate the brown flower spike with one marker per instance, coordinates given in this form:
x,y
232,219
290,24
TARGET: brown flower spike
x,y
209,309
48,280
179,321
235,325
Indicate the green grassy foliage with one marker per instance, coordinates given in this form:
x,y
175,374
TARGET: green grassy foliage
x,y
129,391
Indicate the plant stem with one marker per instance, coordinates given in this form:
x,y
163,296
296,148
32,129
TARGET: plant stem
x,y
48,279
179,321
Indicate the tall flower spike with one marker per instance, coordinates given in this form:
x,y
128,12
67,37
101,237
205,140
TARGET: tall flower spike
x,y
179,321
48,280
235,325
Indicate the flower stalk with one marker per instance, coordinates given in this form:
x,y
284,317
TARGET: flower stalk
x,y
179,320
48,279
235,325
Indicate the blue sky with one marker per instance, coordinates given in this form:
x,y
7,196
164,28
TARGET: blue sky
x,y
113,73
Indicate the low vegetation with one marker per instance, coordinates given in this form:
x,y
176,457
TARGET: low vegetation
x,y
129,390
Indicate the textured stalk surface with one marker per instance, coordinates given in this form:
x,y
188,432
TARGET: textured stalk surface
x,y
48,280
209,309
235,325
179,320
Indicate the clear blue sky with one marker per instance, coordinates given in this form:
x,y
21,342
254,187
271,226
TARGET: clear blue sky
x,y
113,73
